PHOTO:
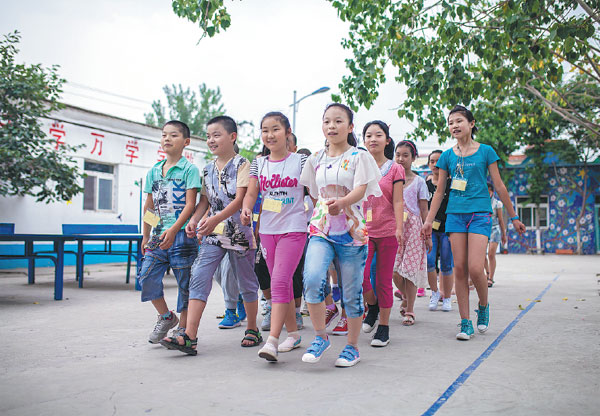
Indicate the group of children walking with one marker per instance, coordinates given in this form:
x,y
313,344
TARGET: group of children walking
x,y
370,209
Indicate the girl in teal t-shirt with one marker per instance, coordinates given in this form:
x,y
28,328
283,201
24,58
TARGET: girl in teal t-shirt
x,y
469,212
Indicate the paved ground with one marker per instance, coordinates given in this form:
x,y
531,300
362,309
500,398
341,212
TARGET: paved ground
x,y
88,354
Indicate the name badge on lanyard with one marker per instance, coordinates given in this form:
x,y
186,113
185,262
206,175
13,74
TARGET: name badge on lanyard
x,y
458,184
436,225
220,228
369,215
273,205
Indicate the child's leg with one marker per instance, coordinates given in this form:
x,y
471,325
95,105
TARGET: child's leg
x,y
352,264
367,286
410,292
203,269
431,260
243,267
182,255
154,266
446,266
492,260
386,254
458,242
476,248
226,279
319,255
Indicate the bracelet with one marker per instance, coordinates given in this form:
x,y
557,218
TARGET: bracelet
x,y
516,217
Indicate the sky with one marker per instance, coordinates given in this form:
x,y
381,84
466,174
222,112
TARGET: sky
x,y
118,54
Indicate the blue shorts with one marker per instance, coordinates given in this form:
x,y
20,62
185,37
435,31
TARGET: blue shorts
x,y
474,223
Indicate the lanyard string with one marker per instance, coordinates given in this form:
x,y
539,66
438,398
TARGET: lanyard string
x,y
340,157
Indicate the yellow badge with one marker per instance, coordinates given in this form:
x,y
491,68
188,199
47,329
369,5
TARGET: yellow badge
x,y
405,215
220,228
254,217
305,206
436,225
151,218
459,184
369,215
273,205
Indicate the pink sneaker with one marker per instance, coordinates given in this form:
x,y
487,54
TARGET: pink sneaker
x,y
420,292
341,328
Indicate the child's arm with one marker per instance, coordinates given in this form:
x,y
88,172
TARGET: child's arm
x,y
168,236
423,209
208,225
249,201
438,197
501,223
504,197
335,206
146,228
398,204
199,212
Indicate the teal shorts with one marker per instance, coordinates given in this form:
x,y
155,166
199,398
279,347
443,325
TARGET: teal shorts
x,y
474,223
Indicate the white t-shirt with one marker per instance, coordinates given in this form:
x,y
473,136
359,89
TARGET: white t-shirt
x,y
335,177
496,204
279,184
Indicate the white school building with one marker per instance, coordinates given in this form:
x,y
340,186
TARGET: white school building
x,y
115,155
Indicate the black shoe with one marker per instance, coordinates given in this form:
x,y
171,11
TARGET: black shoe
x,y
382,336
371,318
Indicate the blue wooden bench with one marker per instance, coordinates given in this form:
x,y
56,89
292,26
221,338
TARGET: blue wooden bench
x,y
106,233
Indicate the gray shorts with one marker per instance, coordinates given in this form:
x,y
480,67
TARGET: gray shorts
x,y
209,258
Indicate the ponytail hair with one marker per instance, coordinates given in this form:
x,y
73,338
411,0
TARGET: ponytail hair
x,y
388,152
351,137
411,146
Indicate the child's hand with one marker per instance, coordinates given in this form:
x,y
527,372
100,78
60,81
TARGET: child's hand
x,y
428,244
519,227
246,216
335,206
399,234
426,230
144,242
168,238
504,240
207,225
190,228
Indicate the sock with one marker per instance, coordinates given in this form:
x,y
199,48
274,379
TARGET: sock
x,y
298,309
354,345
331,307
294,335
334,285
273,341
322,333
374,308
166,316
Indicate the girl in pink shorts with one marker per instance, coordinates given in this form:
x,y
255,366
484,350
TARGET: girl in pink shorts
x,y
282,226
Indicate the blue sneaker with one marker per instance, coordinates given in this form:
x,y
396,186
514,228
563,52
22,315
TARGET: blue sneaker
x,y
335,293
231,320
348,357
241,311
315,351
466,330
483,318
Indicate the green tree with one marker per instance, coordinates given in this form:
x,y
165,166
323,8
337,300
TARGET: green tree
x,y
185,105
30,162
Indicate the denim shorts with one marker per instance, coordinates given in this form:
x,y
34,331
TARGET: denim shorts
x,y
474,223
179,257
496,235
319,255
440,242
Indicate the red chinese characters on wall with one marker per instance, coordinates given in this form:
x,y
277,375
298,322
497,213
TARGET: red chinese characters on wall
x,y
98,139
189,155
131,148
57,130
161,155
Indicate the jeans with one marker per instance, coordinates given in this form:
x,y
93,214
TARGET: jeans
x,y
319,256
440,241
180,257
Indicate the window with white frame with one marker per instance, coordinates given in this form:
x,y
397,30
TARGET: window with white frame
x,y
98,186
528,212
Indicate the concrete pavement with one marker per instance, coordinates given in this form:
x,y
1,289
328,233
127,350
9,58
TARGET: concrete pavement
x,y
89,355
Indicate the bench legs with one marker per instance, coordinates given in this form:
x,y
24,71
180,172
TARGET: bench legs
x,y
30,262
59,269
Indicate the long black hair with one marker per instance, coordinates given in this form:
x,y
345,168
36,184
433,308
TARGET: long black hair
x,y
389,147
411,146
351,137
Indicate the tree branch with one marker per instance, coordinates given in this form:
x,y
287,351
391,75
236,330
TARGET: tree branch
x,y
588,10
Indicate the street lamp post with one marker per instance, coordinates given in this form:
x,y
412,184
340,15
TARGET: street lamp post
x,y
296,102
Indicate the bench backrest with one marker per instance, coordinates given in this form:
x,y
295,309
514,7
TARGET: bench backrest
x,y
69,229
7,228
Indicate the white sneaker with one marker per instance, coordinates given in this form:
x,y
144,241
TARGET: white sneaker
x,y
268,352
289,344
433,300
447,305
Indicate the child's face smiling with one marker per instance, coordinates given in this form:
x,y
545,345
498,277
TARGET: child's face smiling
x,y
459,126
375,139
172,140
219,142
336,125
274,135
404,157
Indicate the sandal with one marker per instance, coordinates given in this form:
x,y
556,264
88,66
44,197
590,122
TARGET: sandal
x,y
409,319
252,335
402,310
490,283
188,347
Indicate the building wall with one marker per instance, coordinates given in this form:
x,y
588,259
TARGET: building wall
x,y
132,148
565,193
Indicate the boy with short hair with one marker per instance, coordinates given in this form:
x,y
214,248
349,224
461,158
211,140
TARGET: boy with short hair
x,y
225,184
172,185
